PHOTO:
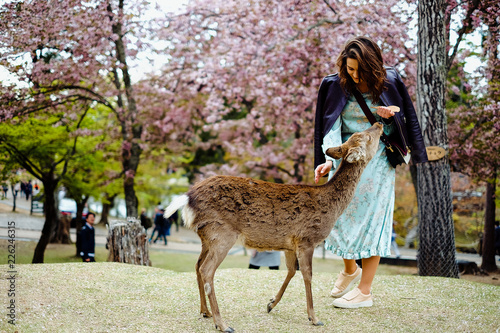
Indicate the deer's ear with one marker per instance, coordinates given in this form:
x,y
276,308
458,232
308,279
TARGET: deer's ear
x,y
355,154
336,152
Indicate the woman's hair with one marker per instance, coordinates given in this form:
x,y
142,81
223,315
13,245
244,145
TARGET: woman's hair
x,y
370,66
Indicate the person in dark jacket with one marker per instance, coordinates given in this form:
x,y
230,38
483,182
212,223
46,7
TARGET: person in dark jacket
x,y
145,220
87,239
161,226
363,231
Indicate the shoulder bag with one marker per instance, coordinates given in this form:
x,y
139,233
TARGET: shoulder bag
x,y
395,152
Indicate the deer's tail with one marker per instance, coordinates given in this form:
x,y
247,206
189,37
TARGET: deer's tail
x,y
176,204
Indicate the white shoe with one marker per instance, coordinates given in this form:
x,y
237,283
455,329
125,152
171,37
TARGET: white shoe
x,y
353,300
345,282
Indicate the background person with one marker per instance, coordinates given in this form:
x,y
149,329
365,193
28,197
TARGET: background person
x,y
394,244
5,189
87,239
145,220
271,259
17,188
363,231
28,190
161,226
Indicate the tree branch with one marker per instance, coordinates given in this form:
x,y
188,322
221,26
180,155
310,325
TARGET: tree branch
x,y
329,6
23,160
466,27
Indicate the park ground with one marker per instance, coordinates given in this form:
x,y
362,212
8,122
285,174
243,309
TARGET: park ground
x,y
103,297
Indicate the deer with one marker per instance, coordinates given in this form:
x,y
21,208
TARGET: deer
x,y
269,216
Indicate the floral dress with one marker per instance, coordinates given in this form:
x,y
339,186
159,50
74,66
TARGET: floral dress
x,y
364,229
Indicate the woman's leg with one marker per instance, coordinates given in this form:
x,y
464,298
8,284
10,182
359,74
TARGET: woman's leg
x,y
370,266
350,266
346,279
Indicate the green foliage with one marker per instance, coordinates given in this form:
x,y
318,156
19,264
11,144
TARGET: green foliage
x,y
154,184
37,144
95,168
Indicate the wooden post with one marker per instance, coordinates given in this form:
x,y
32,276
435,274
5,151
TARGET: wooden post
x,y
128,243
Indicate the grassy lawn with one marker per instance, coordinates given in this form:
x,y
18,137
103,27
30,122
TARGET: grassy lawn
x,y
113,297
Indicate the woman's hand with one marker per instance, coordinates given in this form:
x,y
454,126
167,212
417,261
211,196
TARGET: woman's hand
x,y
322,170
387,112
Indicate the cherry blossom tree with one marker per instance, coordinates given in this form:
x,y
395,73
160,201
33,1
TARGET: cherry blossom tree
x,y
475,124
245,77
67,53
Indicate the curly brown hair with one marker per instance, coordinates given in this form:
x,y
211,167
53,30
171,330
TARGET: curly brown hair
x,y
370,66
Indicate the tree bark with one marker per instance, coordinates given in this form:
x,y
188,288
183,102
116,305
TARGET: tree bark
x,y
106,207
436,254
61,234
80,206
14,197
128,243
488,262
51,219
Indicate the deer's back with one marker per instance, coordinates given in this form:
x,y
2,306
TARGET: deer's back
x,y
262,212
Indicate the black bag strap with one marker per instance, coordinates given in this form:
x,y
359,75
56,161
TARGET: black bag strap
x,y
369,115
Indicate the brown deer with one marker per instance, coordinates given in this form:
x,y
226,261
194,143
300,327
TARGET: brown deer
x,y
269,216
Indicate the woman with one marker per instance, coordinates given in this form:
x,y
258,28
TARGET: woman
x,y
364,229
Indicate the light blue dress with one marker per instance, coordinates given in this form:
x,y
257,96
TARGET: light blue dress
x,y
364,229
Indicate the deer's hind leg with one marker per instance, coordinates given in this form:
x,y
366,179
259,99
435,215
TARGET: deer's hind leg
x,y
291,264
218,243
203,299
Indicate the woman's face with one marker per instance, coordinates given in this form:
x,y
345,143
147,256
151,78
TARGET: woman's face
x,y
352,70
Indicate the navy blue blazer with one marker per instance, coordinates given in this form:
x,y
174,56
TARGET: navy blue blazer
x,y
331,102
87,239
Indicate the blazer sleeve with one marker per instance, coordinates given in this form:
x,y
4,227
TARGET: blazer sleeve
x,y
418,152
85,243
319,157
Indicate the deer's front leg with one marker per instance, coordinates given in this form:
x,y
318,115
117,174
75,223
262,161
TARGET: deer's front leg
x,y
305,262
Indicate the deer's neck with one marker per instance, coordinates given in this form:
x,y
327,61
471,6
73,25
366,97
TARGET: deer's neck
x,y
343,183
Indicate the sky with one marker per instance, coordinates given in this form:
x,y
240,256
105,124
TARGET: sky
x,y
170,5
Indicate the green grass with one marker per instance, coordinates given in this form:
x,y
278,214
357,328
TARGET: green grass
x,y
113,297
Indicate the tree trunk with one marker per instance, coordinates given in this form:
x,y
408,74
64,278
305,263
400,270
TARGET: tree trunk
x,y
488,262
80,205
51,219
61,226
130,165
14,197
128,243
61,234
108,203
436,254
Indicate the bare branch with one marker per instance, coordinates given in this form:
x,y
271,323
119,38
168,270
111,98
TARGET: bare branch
x,y
466,28
329,6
